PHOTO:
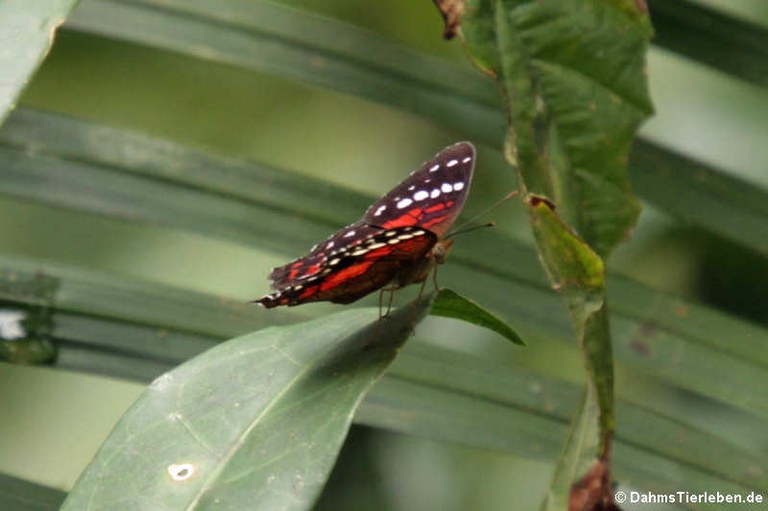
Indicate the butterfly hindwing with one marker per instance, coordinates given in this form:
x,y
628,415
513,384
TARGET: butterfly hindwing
x,y
312,264
354,270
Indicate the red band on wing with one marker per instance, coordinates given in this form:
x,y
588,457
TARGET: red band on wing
x,y
344,275
407,219
308,292
434,221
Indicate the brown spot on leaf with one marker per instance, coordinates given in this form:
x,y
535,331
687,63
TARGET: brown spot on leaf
x,y
681,311
640,347
593,492
318,62
649,329
451,11
538,200
638,343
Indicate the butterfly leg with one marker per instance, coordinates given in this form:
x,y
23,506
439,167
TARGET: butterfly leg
x,y
434,278
391,298
391,291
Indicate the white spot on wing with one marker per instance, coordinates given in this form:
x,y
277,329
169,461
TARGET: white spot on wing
x,y
404,203
452,163
458,186
435,193
379,210
412,187
330,244
420,195
434,167
376,245
446,188
349,234
467,159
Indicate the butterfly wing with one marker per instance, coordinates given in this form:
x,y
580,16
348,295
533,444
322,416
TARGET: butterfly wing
x,y
313,263
432,196
352,270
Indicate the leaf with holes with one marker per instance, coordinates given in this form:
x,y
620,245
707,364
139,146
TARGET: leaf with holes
x,y
255,423
572,73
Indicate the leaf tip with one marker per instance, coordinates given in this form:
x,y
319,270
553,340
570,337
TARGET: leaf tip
x,y
450,304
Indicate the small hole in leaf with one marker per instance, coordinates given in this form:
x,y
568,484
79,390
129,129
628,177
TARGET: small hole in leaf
x,y
181,472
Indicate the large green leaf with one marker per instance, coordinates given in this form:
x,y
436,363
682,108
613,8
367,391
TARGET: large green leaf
x,y
572,75
26,34
255,423
19,495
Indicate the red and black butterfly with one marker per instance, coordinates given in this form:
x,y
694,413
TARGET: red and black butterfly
x,y
398,241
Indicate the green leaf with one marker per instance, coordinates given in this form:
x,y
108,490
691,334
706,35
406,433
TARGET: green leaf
x,y
19,495
699,195
573,80
25,332
254,423
710,36
26,33
450,304
578,273
578,456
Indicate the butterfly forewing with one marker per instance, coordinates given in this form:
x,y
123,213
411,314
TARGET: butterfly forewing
x,y
431,197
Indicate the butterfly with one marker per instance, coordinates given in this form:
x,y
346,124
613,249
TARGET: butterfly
x,y
400,238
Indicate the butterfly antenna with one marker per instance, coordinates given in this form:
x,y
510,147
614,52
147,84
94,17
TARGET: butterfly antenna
x,y
467,226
